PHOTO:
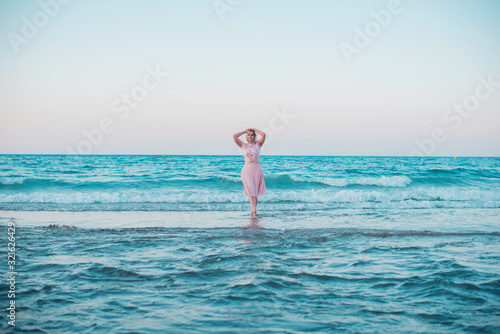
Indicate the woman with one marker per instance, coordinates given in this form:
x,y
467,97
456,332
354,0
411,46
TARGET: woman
x,y
251,174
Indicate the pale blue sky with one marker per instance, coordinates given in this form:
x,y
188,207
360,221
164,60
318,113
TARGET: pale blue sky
x,y
262,58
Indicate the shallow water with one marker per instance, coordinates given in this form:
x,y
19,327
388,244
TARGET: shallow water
x,y
407,249
182,280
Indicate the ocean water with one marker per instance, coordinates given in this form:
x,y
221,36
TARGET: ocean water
x,y
165,244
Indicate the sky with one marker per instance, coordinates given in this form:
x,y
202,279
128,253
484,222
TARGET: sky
x,y
319,77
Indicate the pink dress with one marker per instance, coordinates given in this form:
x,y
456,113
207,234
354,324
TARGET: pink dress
x,y
251,174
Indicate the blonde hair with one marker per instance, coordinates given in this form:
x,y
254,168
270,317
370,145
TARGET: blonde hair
x,y
254,136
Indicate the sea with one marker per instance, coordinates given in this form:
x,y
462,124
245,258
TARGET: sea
x,y
166,244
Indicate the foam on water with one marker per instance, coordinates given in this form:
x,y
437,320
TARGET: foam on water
x,y
225,200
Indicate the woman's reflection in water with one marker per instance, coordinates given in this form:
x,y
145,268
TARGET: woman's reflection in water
x,y
252,228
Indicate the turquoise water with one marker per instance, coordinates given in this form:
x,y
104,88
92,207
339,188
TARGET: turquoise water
x,y
138,244
193,183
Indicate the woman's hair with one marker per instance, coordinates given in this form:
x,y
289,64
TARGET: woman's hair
x,y
254,136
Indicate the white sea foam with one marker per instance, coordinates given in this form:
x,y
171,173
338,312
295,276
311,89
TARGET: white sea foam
x,y
306,199
12,180
382,181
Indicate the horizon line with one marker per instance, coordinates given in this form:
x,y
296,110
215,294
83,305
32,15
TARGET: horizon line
x,y
266,155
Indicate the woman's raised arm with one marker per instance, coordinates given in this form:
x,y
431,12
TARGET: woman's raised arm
x,y
261,134
236,136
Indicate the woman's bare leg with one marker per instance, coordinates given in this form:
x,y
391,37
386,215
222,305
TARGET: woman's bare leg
x,y
253,200
252,204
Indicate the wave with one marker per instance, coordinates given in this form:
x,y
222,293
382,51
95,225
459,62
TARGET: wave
x,y
382,181
144,181
232,200
122,181
346,195
12,180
